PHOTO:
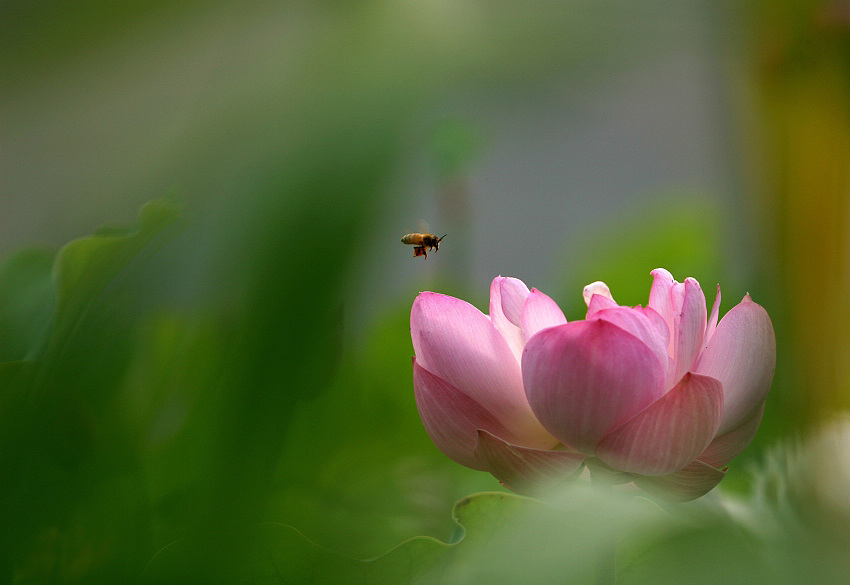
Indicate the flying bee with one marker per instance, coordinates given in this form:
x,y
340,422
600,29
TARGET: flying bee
x,y
421,242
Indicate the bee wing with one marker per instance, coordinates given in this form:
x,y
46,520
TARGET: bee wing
x,y
423,227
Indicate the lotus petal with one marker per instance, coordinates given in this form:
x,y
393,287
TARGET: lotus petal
x,y
661,297
452,418
689,483
596,288
712,319
585,378
690,327
724,448
513,293
521,468
598,303
540,312
645,324
511,331
742,355
670,433
457,342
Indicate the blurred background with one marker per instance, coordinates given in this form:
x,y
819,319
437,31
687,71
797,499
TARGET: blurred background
x,y
238,351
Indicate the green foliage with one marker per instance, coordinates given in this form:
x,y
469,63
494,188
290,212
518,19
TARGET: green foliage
x,y
62,455
85,267
26,303
279,553
360,439
506,539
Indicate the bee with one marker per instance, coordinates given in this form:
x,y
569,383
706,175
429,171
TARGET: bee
x,y
422,241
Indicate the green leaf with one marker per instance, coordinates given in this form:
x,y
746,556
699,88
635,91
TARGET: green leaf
x,y
363,436
60,442
86,266
27,302
280,553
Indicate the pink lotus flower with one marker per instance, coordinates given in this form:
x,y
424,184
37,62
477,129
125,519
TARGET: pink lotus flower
x,y
661,396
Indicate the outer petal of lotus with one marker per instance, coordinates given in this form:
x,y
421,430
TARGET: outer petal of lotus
x,y
670,433
456,342
522,469
452,418
540,312
586,378
689,483
724,448
742,355
507,296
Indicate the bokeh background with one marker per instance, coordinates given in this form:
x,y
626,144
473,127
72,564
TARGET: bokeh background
x,y
239,352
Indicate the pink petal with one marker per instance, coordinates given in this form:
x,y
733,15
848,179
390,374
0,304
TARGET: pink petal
x,y
690,322
661,295
729,445
712,319
522,469
742,355
598,303
511,331
540,312
452,418
596,288
458,343
670,433
585,378
692,481
645,324
513,295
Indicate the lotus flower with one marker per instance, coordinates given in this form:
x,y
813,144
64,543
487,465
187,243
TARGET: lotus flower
x,y
661,395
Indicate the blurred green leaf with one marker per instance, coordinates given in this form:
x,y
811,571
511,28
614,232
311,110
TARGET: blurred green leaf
x,y
277,552
86,266
363,436
27,302
63,455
